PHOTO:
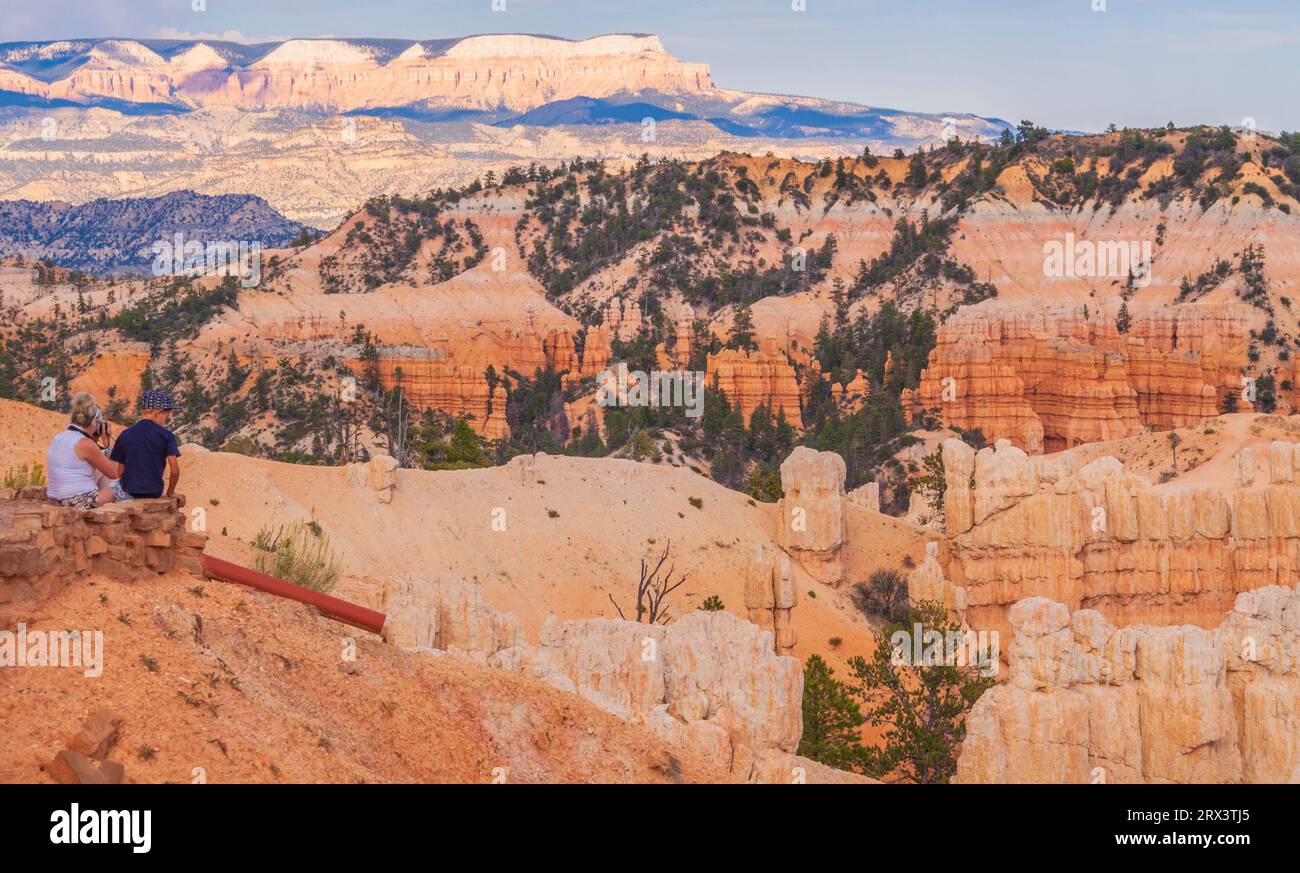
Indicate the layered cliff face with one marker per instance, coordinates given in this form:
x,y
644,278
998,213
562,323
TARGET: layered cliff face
x,y
1087,701
538,270
481,72
1095,536
452,378
1053,376
756,378
113,375
435,339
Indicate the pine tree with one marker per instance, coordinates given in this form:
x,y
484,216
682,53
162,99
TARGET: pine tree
x,y
742,330
831,719
840,301
1123,321
916,171
922,707
933,484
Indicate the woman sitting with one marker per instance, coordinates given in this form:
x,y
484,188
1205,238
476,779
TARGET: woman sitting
x,y
79,472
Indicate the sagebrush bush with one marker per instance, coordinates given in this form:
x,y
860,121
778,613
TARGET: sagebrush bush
x,y
883,595
298,553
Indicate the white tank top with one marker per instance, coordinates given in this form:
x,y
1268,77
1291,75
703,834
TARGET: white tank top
x,y
67,475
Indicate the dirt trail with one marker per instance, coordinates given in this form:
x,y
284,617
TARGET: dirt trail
x,y
1236,433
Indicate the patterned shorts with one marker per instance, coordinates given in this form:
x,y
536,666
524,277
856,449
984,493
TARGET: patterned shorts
x,y
85,500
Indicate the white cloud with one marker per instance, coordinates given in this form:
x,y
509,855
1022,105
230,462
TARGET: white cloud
x,y
228,36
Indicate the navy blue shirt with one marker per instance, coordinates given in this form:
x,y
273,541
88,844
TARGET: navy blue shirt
x,y
143,448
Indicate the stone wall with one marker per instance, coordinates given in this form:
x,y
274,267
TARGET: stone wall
x,y
1087,701
44,547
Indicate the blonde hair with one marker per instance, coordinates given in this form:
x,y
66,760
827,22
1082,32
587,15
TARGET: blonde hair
x,y
84,409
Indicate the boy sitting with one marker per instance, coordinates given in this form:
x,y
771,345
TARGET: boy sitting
x,y
144,448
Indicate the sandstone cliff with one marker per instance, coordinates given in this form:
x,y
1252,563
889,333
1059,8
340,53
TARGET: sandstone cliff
x,y
1049,377
708,683
1087,701
480,72
760,377
1097,536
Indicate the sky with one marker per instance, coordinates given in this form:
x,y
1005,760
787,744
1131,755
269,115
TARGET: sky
x,y
1065,64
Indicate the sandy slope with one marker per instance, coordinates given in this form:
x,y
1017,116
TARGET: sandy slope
x,y
609,514
25,433
1207,451
251,688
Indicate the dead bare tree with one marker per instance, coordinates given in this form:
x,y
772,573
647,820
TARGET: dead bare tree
x,y
397,421
652,590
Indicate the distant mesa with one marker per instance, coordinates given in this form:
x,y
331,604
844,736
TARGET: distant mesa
x,y
510,78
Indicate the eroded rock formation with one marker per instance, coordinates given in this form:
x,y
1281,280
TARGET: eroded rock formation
x,y
927,583
446,614
1049,377
810,526
379,475
1097,536
1089,702
760,377
709,682
770,595
867,496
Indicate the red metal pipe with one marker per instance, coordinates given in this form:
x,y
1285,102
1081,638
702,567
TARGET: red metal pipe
x,y
340,610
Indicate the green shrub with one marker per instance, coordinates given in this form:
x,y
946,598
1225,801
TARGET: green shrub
x,y
239,444
922,708
24,476
764,483
832,719
298,554
712,603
